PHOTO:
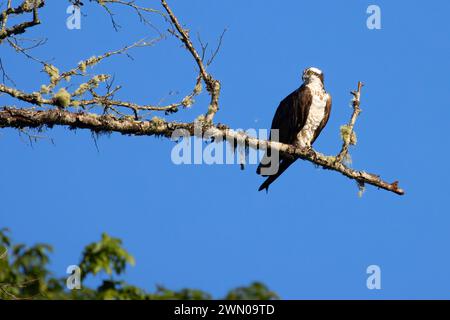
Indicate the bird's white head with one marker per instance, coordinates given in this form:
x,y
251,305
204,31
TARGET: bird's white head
x,y
312,74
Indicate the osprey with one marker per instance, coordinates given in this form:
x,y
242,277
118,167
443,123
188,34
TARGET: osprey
x,y
300,118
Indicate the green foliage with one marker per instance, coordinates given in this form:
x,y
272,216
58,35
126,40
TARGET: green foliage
x,y
163,293
106,255
256,291
24,274
23,269
5,241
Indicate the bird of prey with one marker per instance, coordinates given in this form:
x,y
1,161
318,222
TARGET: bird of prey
x,y
299,118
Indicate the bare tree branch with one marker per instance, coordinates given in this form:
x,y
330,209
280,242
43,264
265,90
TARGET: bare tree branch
x,y
21,118
212,85
140,11
5,74
349,136
26,6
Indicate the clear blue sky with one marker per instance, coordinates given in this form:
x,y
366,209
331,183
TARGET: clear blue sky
x,y
207,227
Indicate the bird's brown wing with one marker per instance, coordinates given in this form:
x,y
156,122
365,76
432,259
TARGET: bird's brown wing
x,y
301,119
289,119
291,114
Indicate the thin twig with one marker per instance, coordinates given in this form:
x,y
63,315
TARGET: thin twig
x,y
356,102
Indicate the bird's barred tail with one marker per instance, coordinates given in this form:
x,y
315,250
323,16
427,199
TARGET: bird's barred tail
x,y
284,164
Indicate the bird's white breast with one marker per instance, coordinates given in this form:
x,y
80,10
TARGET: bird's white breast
x,y
315,116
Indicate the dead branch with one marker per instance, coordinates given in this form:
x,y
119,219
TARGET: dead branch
x,y
140,11
349,136
212,85
27,118
25,7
